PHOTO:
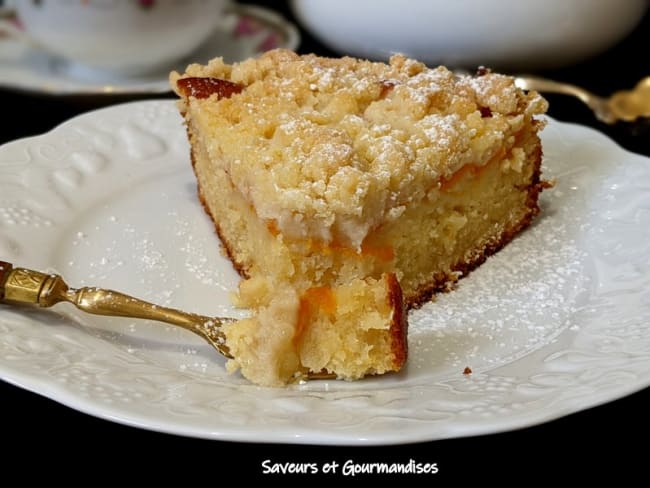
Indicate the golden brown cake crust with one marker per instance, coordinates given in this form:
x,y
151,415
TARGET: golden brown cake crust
x,y
239,267
399,325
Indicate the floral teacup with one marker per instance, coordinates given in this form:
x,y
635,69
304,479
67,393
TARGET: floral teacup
x,y
125,36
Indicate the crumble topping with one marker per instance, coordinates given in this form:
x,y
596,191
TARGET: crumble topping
x,y
328,149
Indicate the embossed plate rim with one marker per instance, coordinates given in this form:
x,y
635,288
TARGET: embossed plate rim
x,y
393,410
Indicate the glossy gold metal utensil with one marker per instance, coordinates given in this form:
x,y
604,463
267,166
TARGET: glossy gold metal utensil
x,y
20,285
626,105
26,286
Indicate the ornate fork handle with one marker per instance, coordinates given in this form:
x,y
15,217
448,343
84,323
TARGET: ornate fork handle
x,y
20,285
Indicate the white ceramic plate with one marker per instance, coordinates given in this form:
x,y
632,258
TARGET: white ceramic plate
x,y
554,323
246,32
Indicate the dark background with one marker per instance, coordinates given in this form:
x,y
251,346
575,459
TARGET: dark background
x,y
606,440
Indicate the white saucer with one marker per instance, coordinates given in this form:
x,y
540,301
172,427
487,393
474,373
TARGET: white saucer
x,y
247,32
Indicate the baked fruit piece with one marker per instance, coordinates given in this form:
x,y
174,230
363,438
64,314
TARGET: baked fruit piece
x,y
318,172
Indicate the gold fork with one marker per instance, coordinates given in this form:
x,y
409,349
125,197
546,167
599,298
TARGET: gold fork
x,y
20,285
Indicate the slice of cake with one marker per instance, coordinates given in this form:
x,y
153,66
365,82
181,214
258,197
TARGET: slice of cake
x,y
319,173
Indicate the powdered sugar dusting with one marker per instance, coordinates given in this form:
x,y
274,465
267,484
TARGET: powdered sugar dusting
x,y
517,301
441,130
171,263
494,91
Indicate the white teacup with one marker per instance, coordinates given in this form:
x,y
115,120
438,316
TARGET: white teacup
x,y
120,36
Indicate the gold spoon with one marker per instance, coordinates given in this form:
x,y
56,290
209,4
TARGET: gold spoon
x,y
20,285
627,105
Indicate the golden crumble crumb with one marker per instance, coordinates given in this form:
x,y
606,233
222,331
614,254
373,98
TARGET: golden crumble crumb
x,y
330,152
